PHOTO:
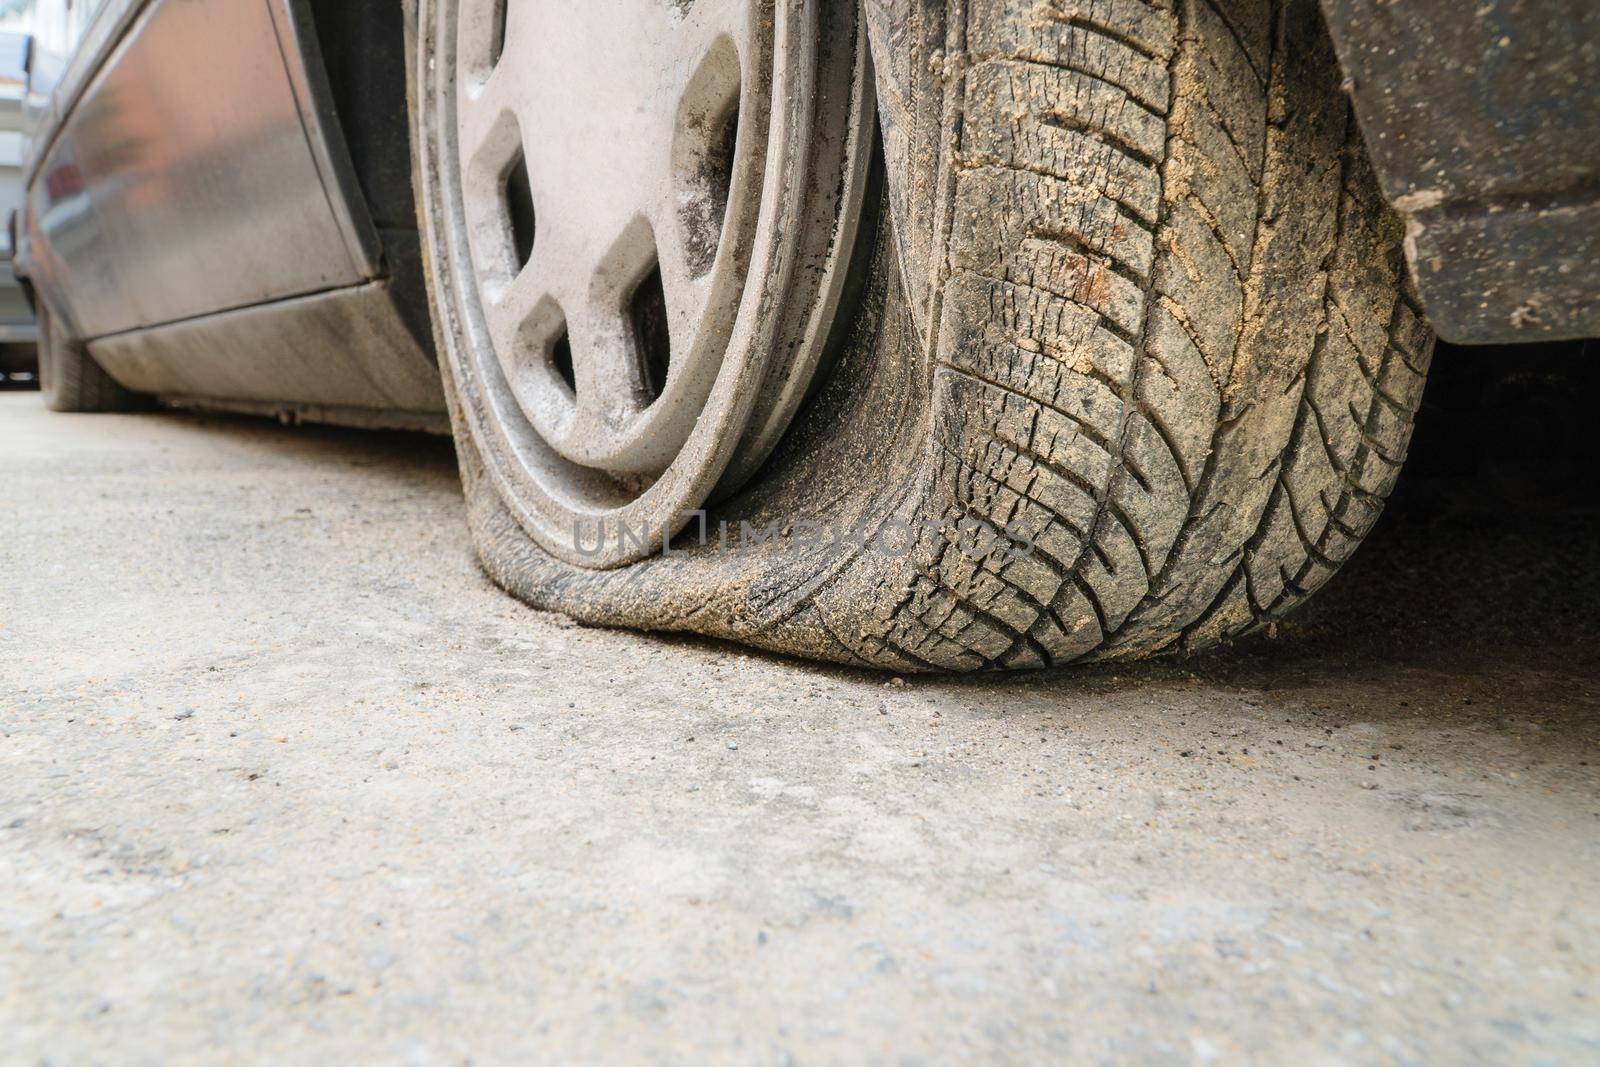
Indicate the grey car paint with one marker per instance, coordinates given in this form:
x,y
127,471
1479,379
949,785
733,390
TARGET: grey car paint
x,y
205,201
191,215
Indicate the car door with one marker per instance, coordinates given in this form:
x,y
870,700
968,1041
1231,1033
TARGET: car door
x,y
186,172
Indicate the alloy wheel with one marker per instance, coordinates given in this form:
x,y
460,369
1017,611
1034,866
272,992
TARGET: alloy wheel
x,y
641,213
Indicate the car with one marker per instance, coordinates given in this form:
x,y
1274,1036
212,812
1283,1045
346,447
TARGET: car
x,y
904,334
18,332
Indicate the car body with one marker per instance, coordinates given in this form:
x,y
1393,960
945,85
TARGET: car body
x,y
18,332
219,200
195,213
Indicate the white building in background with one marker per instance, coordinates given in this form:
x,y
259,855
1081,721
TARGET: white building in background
x,y
56,23
56,27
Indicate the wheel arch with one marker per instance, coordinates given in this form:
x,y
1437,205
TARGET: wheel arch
x,y
355,53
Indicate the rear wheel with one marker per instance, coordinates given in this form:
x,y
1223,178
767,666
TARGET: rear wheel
x,y
1124,364
70,379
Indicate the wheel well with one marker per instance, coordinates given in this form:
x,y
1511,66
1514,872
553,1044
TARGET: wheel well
x,y
360,46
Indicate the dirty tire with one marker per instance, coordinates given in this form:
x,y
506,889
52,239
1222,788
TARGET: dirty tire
x,y
1133,298
70,379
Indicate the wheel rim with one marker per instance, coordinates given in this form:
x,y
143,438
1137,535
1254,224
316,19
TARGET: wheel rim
x,y
639,213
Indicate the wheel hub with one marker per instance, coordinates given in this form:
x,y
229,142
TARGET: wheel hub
x,y
643,210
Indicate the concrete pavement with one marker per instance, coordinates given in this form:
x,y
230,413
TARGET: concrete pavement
x,y
284,779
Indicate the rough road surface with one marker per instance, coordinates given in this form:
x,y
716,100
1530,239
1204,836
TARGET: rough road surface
x,y
283,778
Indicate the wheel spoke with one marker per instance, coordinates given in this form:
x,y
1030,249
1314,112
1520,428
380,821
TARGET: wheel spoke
x,y
687,295
714,55
707,20
509,309
486,118
609,393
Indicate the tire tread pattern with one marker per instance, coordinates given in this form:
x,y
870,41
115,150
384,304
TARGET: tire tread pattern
x,y
71,380
1165,313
